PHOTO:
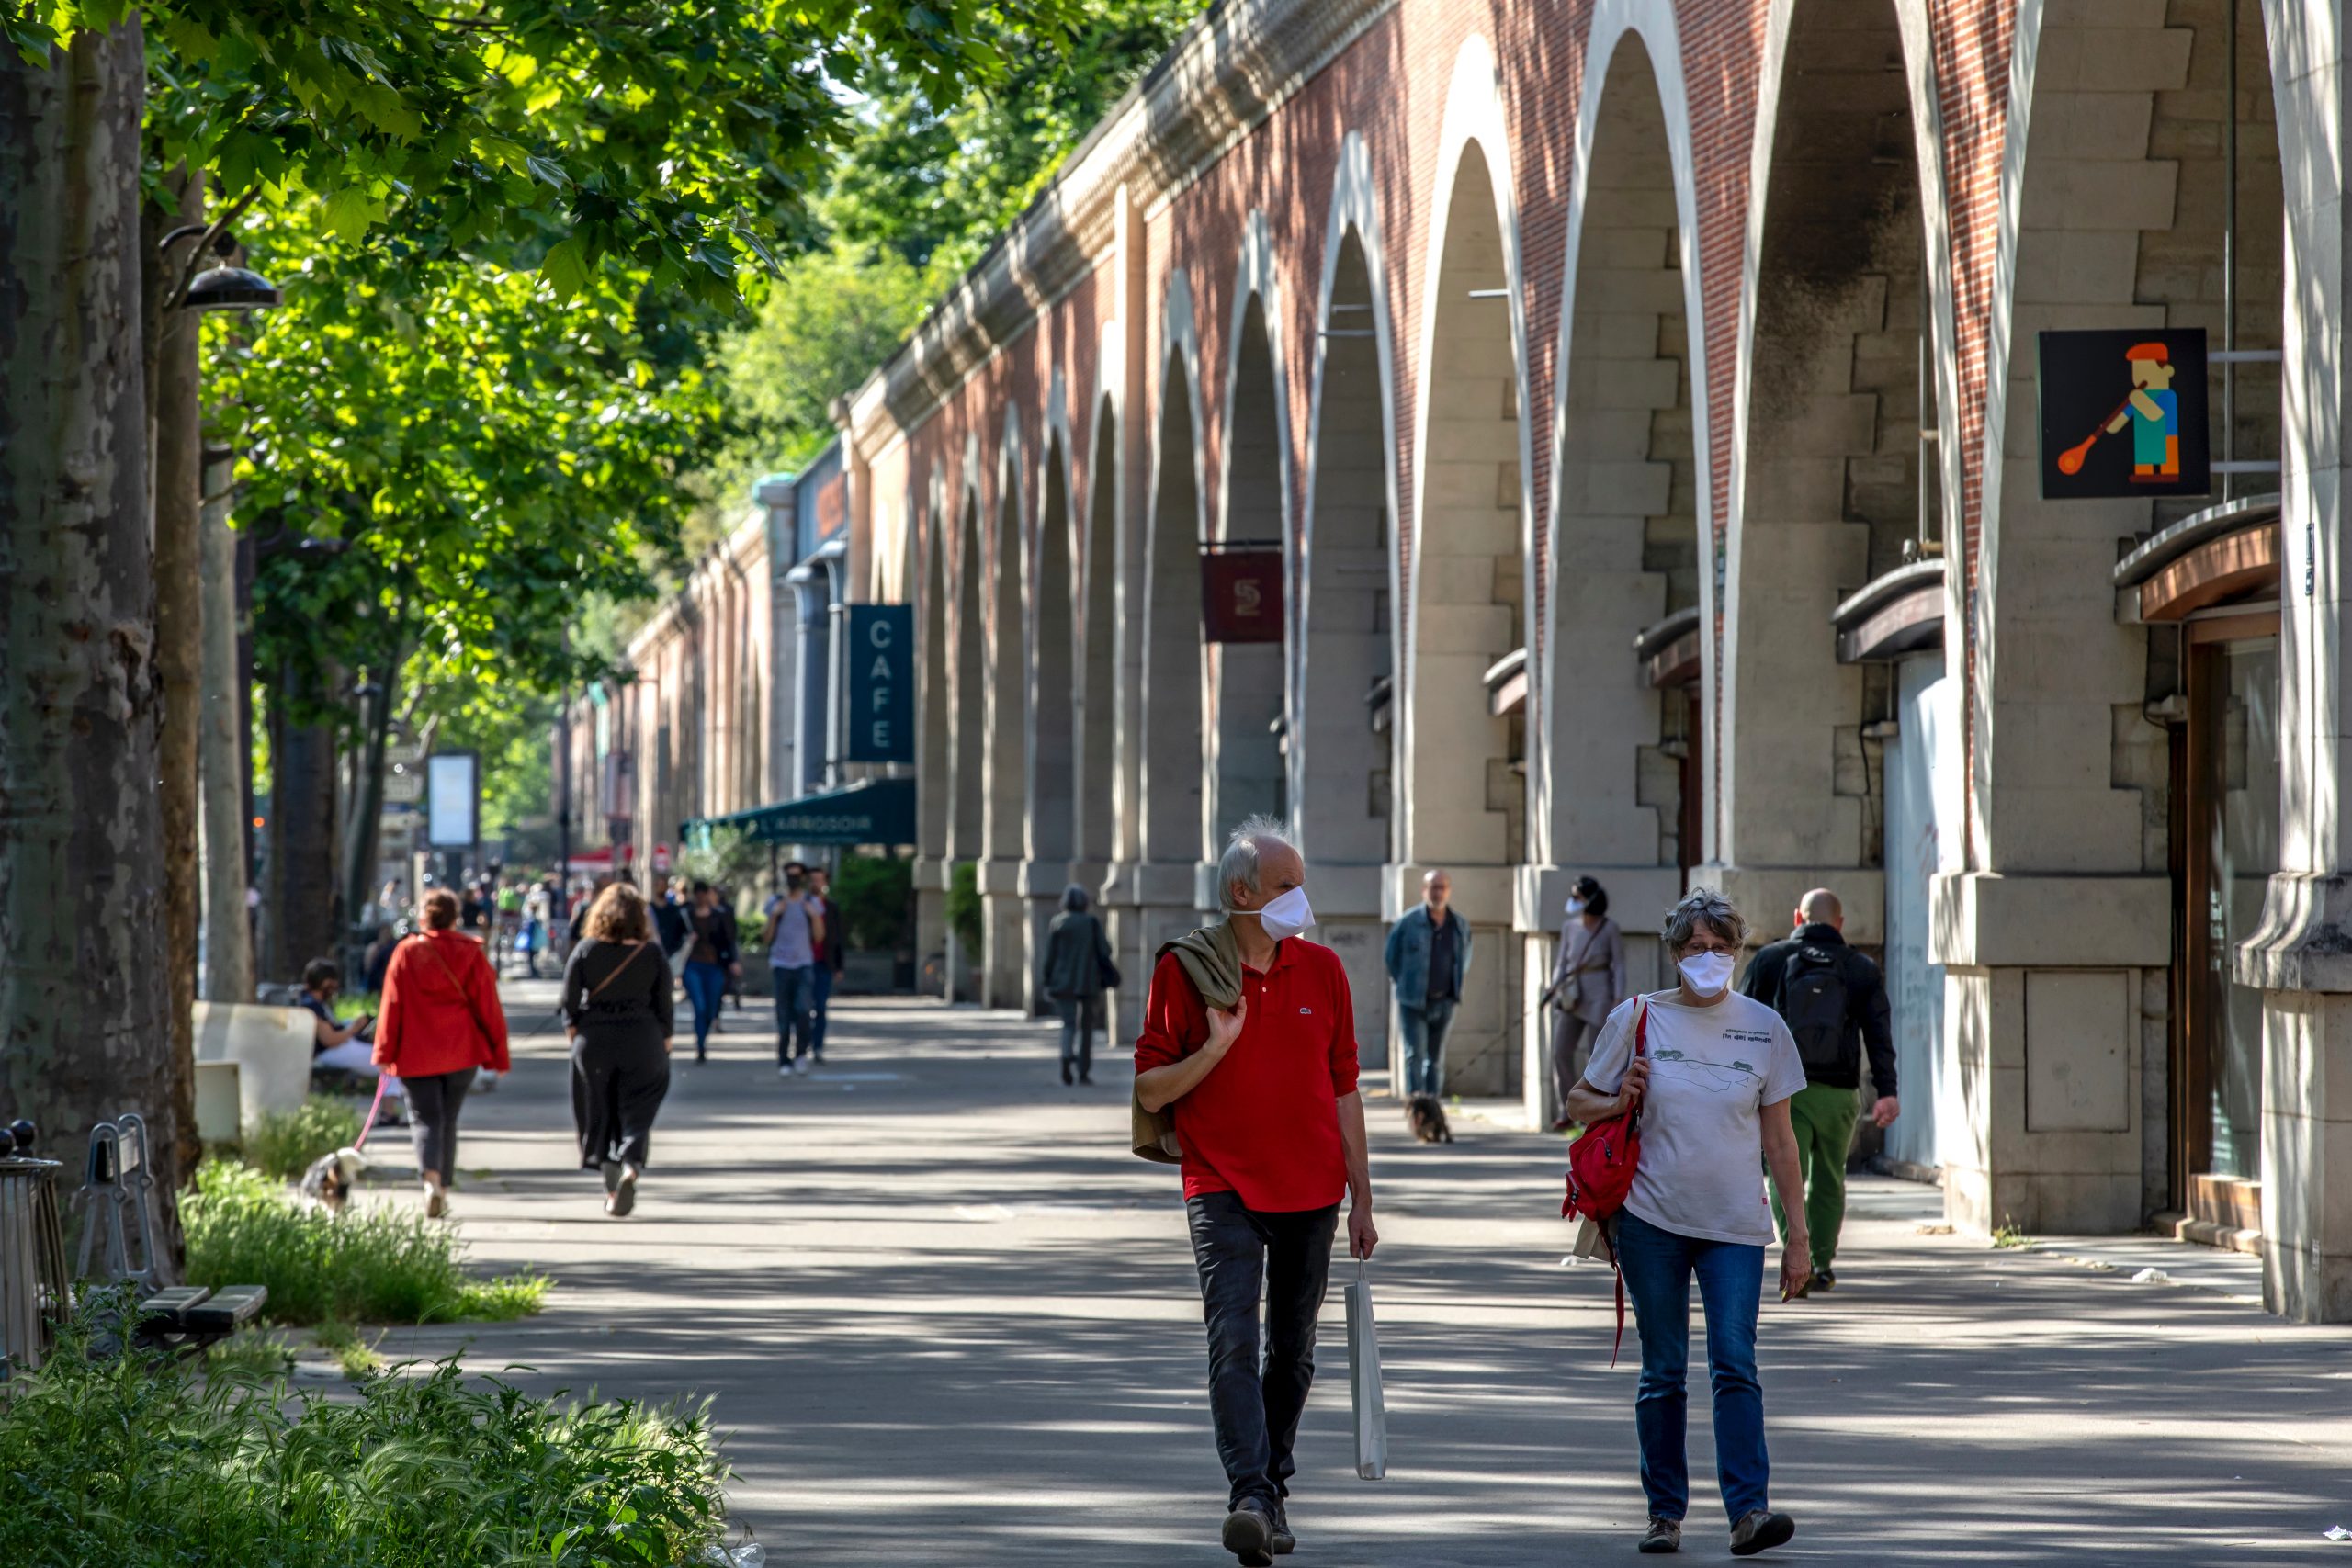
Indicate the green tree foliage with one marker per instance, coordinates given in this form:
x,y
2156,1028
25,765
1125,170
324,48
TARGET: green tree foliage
x,y
681,140
475,454
941,168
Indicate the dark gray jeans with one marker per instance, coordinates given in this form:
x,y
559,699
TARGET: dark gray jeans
x,y
433,1106
1255,1407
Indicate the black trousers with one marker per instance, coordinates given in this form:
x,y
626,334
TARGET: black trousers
x,y
433,1106
617,1087
1256,1408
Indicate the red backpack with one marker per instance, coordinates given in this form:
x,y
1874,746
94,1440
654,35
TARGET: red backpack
x,y
1601,1171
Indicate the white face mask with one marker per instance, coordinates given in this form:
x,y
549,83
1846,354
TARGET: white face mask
x,y
1707,972
1285,914
1576,905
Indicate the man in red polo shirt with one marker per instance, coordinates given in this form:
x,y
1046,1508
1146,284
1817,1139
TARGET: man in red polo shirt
x,y
1272,1129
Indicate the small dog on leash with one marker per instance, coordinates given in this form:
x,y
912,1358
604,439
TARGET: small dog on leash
x,y
1426,1118
331,1178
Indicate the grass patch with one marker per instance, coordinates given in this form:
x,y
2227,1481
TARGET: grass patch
x,y
252,1353
285,1142
351,1352
371,1264
135,1459
2009,1235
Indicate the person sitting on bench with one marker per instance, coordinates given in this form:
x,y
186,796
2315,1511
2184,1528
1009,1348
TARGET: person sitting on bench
x,y
334,1043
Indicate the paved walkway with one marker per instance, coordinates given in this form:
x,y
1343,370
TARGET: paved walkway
x,y
946,1318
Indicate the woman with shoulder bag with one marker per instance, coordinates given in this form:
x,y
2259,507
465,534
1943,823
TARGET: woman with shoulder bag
x,y
1588,982
619,1014
1710,1073
1076,971
441,1024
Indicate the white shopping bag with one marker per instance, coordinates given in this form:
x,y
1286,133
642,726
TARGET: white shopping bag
x,y
1364,1381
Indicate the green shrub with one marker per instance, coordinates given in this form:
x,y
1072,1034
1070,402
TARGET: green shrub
x,y
874,891
963,908
135,1460
371,1264
285,1142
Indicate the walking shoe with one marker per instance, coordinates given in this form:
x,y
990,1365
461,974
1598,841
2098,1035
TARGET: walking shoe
x,y
800,1065
437,1204
1066,1075
1662,1536
1087,1079
1562,1124
1760,1531
783,1069
1822,1280
1250,1533
612,1175
1284,1543
624,1195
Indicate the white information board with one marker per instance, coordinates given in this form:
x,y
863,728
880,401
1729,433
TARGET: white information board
x,y
451,795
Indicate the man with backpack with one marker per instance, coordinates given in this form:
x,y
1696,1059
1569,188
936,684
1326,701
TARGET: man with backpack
x,y
1834,1001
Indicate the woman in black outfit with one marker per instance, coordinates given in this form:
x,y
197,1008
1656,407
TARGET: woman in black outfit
x,y
616,1011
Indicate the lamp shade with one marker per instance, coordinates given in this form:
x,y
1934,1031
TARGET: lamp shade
x,y
231,288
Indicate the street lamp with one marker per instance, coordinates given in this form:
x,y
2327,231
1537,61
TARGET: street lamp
x,y
223,288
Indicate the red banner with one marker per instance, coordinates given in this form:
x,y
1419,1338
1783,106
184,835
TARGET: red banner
x,y
1241,596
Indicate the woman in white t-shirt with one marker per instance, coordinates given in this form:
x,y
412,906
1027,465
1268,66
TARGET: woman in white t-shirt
x,y
1713,1083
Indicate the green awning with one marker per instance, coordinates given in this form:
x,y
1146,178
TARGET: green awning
x,y
878,811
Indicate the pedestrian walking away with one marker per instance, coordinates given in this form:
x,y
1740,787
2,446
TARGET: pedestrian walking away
x,y
1588,982
335,1044
832,957
442,1023
1711,1073
1428,958
1834,1002
619,1015
1248,1041
795,934
710,954
1076,969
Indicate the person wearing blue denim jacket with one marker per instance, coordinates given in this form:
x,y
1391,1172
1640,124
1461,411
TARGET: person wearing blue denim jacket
x,y
1429,957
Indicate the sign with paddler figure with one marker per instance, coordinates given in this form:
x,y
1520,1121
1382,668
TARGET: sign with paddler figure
x,y
2123,413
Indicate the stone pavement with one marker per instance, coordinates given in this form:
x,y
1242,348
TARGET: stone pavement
x,y
946,1318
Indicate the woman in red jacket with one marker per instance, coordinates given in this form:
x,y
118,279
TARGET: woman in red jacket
x,y
441,1021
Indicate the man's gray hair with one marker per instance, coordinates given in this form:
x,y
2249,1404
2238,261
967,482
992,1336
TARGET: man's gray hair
x,y
1703,907
1239,862
1074,897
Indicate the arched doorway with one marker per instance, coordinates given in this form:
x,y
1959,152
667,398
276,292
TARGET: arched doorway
x,y
1053,715
936,788
1343,728
1094,810
1006,812
1621,732
1464,747
1248,676
1173,753
969,789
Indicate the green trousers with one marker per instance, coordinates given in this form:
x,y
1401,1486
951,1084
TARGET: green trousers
x,y
1824,1119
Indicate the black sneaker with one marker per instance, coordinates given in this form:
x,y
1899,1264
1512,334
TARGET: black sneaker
x,y
1250,1533
1823,1280
1284,1542
1760,1531
1662,1536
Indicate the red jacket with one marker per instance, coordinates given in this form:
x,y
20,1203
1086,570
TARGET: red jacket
x,y
441,1011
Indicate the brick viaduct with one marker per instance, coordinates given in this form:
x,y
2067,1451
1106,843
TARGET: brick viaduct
x,y
1643,397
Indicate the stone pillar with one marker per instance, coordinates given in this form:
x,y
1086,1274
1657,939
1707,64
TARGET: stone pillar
x,y
2301,955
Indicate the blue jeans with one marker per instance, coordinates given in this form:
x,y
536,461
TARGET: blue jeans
x,y
1658,1265
796,991
820,994
1255,1409
706,984
1424,1030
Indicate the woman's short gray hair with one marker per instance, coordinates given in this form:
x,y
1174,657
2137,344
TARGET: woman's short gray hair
x,y
1703,907
1239,862
1074,897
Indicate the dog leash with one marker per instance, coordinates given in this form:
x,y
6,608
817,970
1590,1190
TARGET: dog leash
x,y
382,1080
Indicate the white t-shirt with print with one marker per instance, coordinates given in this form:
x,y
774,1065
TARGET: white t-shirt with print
x,y
1712,1071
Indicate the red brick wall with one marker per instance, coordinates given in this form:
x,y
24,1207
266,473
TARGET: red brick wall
x,y
1391,87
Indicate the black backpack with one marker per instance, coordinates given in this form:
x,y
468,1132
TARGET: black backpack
x,y
1812,1001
